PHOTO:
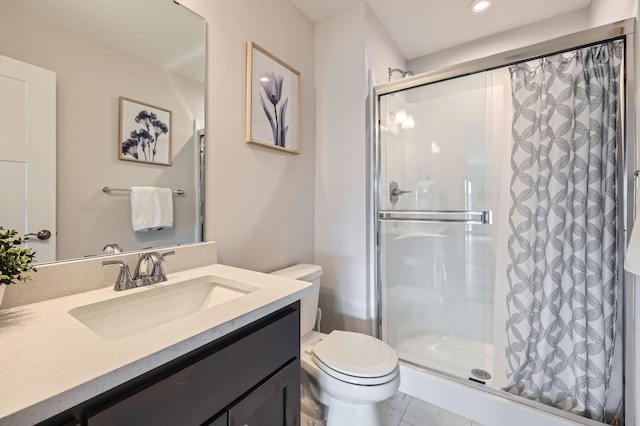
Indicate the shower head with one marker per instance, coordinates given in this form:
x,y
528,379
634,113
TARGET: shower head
x,y
403,73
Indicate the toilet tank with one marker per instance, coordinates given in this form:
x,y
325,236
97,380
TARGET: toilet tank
x,y
308,304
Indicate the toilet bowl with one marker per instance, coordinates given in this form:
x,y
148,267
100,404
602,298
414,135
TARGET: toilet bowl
x,y
347,372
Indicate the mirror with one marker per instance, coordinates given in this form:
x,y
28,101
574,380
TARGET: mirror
x,y
149,51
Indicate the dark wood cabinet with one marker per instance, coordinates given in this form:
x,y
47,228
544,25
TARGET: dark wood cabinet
x,y
250,376
268,404
221,420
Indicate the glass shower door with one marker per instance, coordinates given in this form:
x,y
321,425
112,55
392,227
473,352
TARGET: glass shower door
x,y
434,221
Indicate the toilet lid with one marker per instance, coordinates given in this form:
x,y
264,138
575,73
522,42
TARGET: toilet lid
x,y
356,354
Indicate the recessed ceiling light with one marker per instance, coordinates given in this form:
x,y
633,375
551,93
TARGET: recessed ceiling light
x,y
480,5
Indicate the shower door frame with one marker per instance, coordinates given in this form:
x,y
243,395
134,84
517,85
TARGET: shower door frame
x,y
622,30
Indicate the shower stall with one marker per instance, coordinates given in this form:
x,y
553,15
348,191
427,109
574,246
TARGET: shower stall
x,y
460,184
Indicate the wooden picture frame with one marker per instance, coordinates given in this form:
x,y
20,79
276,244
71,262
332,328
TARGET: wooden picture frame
x,y
273,101
145,133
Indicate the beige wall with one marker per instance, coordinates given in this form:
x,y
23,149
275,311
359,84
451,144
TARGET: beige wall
x,y
341,81
606,11
381,51
260,202
90,79
349,45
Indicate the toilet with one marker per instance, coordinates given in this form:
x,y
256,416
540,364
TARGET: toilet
x,y
348,373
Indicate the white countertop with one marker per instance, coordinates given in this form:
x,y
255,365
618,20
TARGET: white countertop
x,y
50,362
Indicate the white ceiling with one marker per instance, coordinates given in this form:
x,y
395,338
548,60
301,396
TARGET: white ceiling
x,y
174,39
420,27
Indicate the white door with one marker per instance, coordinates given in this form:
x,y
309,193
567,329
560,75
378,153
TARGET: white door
x,y
28,153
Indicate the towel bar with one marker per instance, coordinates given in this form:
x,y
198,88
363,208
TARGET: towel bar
x,y
108,189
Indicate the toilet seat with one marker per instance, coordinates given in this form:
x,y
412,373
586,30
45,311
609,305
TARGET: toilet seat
x,y
355,358
354,380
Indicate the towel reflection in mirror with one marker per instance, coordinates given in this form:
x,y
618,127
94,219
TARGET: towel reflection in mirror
x,y
151,208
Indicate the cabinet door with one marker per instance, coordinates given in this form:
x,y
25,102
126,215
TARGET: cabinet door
x,y
219,421
276,402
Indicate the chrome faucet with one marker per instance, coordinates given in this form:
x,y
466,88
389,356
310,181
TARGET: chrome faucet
x,y
141,273
149,270
112,248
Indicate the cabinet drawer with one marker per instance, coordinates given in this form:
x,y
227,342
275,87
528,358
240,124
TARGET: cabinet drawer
x,y
211,382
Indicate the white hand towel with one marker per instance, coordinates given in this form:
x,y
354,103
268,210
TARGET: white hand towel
x,y
151,208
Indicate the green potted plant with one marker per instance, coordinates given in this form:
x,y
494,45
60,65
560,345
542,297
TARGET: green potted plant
x,y
15,261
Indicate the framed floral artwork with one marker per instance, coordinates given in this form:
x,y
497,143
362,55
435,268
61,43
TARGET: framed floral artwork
x,y
273,101
145,133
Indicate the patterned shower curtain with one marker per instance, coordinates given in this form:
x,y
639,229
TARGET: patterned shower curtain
x,y
563,218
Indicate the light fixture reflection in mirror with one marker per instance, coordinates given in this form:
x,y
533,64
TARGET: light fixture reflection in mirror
x,y
403,119
400,116
408,123
102,50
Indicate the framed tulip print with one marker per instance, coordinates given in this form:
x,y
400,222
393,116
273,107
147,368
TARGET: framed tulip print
x,y
273,101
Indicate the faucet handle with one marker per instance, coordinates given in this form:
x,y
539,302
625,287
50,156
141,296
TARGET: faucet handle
x,y
168,253
157,273
157,258
124,280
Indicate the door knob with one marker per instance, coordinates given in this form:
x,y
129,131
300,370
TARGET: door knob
x,y
43,234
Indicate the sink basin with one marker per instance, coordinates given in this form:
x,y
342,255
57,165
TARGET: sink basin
x,y
139,311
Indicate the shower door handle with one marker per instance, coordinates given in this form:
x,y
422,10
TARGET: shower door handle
x,y
395,192
471,217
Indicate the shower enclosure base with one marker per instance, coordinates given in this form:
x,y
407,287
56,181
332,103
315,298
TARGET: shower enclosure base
x,y
480,403
450,354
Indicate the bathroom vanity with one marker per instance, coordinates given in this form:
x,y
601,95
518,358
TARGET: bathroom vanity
x,y
235,362
250,376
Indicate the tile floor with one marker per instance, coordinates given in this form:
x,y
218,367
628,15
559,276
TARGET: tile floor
x,y
403,410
